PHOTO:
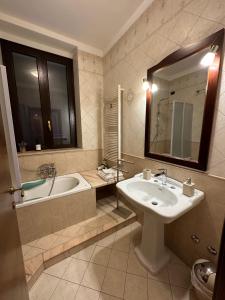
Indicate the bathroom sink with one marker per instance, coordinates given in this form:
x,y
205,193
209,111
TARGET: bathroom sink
x,y
167,202
161,204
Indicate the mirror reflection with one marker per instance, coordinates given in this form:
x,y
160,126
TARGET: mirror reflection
x,y
177,107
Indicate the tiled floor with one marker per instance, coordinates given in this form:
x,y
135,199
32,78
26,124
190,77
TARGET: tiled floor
x,y
38,252
109,270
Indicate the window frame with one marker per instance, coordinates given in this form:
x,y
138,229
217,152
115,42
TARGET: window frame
x,y
42,58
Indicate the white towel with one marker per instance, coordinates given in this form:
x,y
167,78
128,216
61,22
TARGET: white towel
x,y
110,175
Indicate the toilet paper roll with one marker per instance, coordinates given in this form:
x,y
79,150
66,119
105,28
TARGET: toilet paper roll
x,y
147,174
38,147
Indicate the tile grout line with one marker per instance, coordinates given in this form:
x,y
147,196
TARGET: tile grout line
x,y
127,268
107,267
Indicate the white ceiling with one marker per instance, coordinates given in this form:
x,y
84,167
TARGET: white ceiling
x,y
94,23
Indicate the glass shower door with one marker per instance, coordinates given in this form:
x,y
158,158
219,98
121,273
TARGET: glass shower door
x,y
181,142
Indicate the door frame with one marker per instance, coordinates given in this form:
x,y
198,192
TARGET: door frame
x,y
219,290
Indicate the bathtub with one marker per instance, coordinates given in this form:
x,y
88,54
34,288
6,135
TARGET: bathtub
x,y
64,186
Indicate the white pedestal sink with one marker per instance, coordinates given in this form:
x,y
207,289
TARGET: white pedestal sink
x,y
162,204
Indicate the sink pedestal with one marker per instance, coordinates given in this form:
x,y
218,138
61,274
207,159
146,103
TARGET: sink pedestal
x,y
152,252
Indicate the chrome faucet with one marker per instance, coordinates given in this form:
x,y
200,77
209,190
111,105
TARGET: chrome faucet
x,y
47,171
163,175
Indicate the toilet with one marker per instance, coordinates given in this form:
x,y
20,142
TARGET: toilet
x,y
203,276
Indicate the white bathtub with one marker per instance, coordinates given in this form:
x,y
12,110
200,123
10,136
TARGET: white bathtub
x,y
64,185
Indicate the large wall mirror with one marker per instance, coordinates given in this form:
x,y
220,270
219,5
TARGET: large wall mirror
x,y
181,101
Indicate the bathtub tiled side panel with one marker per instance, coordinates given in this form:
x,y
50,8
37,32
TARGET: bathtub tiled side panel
x,y
44,218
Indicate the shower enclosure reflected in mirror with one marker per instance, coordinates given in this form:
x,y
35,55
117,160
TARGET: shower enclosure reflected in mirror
x,y
180,103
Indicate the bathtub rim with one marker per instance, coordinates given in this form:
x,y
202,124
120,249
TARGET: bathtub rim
x,y
82,186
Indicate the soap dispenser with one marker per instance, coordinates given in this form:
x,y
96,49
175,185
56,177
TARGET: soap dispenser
x,y
188,188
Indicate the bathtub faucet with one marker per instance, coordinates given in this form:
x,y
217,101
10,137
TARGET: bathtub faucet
x,y
47,171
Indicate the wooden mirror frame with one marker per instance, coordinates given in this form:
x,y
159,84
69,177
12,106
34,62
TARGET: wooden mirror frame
x,y
210,100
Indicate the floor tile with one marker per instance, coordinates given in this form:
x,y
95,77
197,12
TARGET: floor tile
x,y
118,260
158,290
94,276
182,294
136,287
46,242
114,282
135,267
101,255
44,287
107,241
72,231
179,275
162,276
75,270
25,249
85,254
59,268
30,252
85,293
136,226
175,259
60,240
65,290
104,296
122,243
124,232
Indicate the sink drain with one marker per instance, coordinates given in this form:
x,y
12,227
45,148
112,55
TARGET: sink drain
x,y
154,203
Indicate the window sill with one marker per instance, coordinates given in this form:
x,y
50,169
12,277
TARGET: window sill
x,y
49,151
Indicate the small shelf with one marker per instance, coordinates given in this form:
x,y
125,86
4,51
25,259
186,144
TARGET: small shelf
x,y
94,179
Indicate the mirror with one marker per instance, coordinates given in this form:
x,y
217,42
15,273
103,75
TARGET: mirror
x,y
180,103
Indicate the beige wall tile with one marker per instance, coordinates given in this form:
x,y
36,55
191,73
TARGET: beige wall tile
x,y
66,161
158,32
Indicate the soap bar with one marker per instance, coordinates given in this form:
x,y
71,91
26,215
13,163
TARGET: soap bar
x,y
188,189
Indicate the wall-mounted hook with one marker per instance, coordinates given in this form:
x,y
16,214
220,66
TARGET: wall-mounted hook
x,y
212,250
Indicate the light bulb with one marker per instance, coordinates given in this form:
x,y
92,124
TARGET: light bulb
x,y
154,88
34,73
145,84
209,57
